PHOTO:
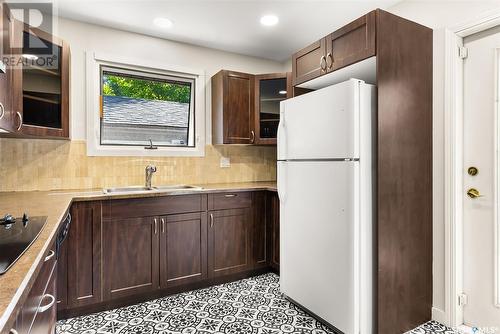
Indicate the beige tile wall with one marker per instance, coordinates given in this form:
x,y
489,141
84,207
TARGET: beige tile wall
x,y
28,164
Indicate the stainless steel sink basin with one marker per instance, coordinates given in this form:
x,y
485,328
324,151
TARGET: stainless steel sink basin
x,y
131,189
138,189
177,187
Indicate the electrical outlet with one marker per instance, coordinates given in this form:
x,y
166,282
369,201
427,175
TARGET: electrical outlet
x,y
225,162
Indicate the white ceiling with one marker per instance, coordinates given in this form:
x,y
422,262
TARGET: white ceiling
x,y
230,25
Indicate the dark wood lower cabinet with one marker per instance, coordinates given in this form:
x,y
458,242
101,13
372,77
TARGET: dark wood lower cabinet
x,y
83,255
183,249
229,241
130,249
273,214
115,256
46,314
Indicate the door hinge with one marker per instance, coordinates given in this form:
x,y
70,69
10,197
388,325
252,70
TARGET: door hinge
x,y
463,52
462,299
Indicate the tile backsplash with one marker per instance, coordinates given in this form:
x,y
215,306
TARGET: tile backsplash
x,y
33,164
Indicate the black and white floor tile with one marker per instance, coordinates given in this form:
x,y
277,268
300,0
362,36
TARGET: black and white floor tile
x,y
250,306
432,327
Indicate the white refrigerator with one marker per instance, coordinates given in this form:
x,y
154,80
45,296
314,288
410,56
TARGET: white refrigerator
x,y
325,185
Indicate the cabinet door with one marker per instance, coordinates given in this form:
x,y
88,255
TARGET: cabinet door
x,y
8,117
274,217
45,87
238,108
309,63
261,230
84,254
130,256
270,90
229,241
62,277
351,43
183,249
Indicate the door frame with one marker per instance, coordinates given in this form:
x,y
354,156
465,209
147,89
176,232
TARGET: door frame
x,y
453,164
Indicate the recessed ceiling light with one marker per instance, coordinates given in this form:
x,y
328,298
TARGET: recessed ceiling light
x,y
163,22
269,20
282,92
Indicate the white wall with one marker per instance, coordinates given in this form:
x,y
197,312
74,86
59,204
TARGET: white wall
x,y
83,37
440,15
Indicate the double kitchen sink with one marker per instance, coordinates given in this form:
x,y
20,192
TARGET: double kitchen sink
x,y
141,189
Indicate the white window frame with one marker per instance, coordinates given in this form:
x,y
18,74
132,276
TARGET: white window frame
x,y
94,148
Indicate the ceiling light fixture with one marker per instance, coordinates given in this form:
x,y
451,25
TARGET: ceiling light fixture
x,y
269,20
163,22
282,92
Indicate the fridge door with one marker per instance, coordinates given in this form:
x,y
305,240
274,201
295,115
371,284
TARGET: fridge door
x,y
323,124
319,254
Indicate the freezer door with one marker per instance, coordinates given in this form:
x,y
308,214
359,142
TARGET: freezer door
x,y
323,124
319,257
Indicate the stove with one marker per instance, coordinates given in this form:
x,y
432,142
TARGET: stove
x,y
16,236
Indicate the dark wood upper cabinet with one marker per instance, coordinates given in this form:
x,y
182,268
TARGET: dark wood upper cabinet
x,y
245,107
270,90
6,122
352,43
183,249
229,249
130,249
309,63
44,87
34,91
233,108
83,256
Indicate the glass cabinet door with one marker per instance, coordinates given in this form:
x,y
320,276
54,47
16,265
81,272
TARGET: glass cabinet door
x,y
271,90
45,85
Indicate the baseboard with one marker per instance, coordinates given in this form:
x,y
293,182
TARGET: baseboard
x,y
439,316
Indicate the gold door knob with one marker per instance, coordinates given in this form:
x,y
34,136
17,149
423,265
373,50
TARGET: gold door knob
x,y
473,193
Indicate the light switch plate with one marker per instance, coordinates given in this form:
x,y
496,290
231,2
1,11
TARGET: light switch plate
x,y
225,162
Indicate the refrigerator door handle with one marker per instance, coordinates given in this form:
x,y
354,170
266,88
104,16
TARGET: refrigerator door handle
x,y
281,184
281,135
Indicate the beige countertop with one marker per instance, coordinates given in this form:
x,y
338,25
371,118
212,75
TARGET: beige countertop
x,y
16,283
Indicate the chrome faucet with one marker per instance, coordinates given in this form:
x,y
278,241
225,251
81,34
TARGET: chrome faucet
x,y
150,169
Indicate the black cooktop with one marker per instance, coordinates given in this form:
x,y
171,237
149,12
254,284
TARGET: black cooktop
x,y
16,235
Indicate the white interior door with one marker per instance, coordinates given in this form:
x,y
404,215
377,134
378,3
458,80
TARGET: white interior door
x,y
481,222
319,245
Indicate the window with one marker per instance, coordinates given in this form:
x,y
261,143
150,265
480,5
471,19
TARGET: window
x,y
143,110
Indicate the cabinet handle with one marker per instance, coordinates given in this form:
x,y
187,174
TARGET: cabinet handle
x,y
13,331
2,110
211,220
20,120
42,309
329,55
322,62
252,136
156,226
50,255
230,195
163,225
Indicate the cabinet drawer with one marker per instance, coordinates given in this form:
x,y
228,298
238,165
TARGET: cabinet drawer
x,y
37,292
232,200
46,314
156,206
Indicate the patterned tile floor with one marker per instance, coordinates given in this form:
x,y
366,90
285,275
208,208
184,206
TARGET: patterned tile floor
x,y
249,306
